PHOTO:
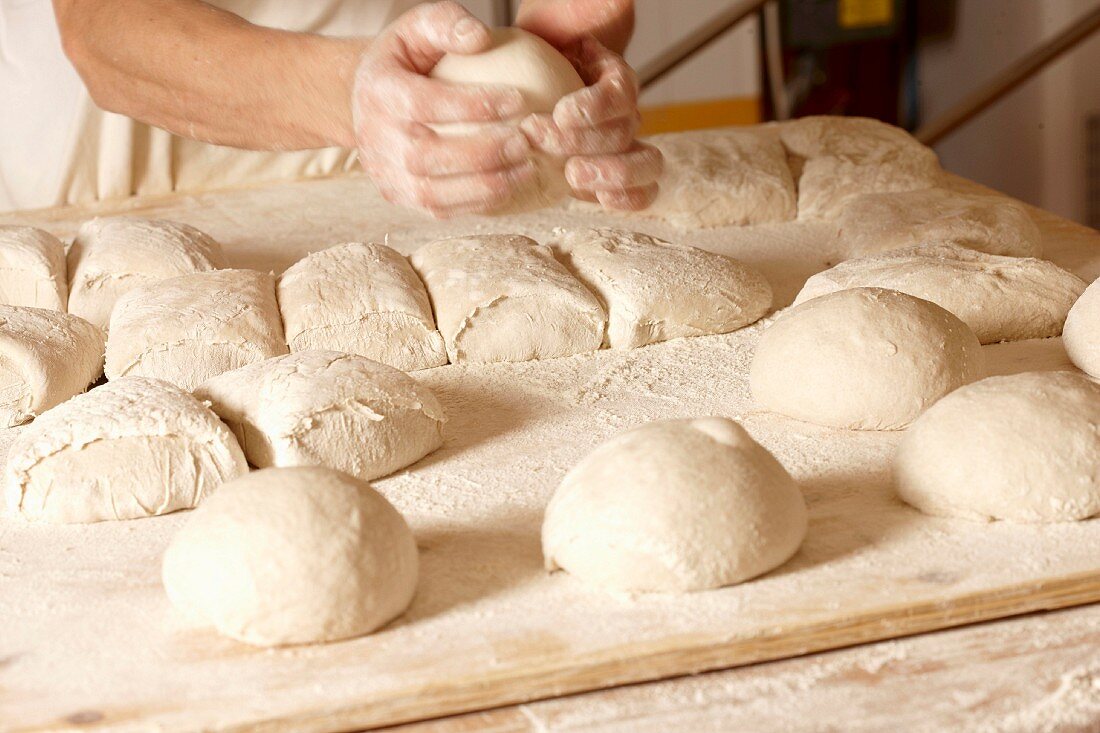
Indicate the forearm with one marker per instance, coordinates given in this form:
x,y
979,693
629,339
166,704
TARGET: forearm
x,y
561,22
207,74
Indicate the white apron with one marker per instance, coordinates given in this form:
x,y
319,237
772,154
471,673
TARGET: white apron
x,y
57,147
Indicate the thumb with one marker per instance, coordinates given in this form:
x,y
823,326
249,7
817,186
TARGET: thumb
x,y
429,31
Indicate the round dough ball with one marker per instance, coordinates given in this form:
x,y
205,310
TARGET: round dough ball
x,y
863,359
675,505
1081,334
1023,447
293,556
522,60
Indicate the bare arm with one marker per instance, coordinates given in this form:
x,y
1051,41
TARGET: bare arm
x,y
210,75
563,22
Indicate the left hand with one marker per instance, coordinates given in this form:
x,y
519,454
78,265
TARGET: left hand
x,y
594,129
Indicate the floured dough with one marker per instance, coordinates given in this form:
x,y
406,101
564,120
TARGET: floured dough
x,y
1023,447
32,269
112,256
363,299
292,556
860,139
543,76
503,297
1000,298
675,505
1081,335
722,178
190,328
46,357
864,359
879,222
131,448
654,290
329,409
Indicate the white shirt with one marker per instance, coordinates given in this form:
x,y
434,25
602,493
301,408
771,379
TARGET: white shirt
x,y
57,147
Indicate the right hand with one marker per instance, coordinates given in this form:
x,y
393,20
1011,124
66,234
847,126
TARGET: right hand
x,y
394,102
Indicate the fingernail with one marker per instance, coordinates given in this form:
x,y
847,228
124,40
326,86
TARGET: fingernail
x,y
516,148
467,28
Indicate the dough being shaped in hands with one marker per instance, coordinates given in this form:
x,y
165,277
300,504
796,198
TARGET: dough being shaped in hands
x,y
1000,298
46,357
325,408
32,269
1023,447
675,505
879,222
503,297
654,290
292,556
190,328
361,299
112,256
130,448
543,76
1081,335
863,359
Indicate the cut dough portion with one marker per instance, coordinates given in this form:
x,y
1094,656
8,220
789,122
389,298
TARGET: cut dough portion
x,y
1000,298
32,269
46,357
722,178
1023,447
292,556
654,290
675,505
190,328
1081,335
131,448
362,299
879,222
863,359
503,297
860,139
112,256
328,409
543,76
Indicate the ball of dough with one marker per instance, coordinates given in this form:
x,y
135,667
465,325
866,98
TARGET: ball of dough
x,y
32,269
1023,447
325,408
675,505
130,448
864,359
543,76
292,556
1081,335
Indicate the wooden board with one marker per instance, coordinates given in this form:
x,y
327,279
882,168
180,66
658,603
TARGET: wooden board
x,y
90,642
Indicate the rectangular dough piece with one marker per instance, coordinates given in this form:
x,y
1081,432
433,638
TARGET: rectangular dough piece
x,y
32,269
503,297
360,299
190,328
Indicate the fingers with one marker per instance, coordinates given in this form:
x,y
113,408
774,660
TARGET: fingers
x,y
421,151
631,199
449,196
396,92
430,30
612,90
611,137
639,166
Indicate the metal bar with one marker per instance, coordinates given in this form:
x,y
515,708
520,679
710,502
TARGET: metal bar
x,y
1004,82
695,41
502,12
773,61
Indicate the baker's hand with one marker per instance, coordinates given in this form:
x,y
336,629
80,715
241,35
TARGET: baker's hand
x,y
595,127
394,101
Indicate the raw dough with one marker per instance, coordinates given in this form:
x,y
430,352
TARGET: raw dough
x,y
190,328
503,297
722,178
860,139
654,290
863,359
131,448
46,357
363,299
522,60
32,269
112,256
675,505
879,222
1081,335
1023,447
329,409
1000,298
292,556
